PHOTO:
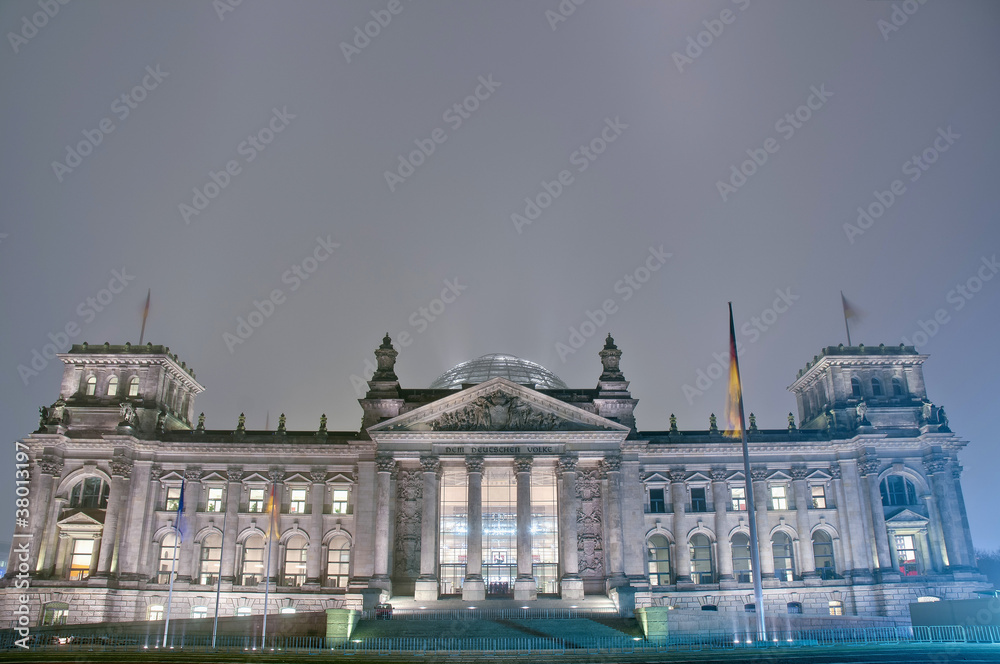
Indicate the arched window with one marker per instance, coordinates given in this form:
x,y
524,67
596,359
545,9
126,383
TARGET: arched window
x,y
113,386
91,388
897,388
91,492
167,560
55,613
154,612
659,560
781,551
211,558
702,569
741,558
855,388
794,607
338,562
293,572
133,386
897,490
252,566
823,555
876,387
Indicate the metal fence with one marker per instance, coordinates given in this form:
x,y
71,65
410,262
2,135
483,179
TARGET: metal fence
x,y
492,614
818,638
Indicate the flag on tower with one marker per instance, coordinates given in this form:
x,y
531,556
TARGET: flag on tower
x,y
851,312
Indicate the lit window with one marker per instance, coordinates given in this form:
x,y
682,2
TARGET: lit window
x,y
818,496
252,567
781,550
133,386
256,500
211,558
779,500
928,598
855,388
155,612
876,387
739,495
83,554
214,503
741,558
113,386
338,562
294,570
173,498
836,607
298,504
91,388
243,611
897,490
906,555
199,611
55,613
659,560
698,500
657,504
340,501
287,609
90,493
823,555
702,569
167,561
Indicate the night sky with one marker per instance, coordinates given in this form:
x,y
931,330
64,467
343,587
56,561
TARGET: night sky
x,y
516,177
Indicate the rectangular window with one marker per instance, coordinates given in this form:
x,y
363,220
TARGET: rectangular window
x,y
779,500
340,501
818,496
698,501
836,607
83,553
173,498
55,614
298,504
214,503
256,503
906,555
199,612
657,505
739,495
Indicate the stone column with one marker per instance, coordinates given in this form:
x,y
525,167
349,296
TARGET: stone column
x,y
682,551
970,549
474,588
632,499
426,586
136,530
234,491
869,467
385,465
44,520
943,486
192,494
94,559
935,539
145,567
570,585
61,554
761,501
845,558
363,551
803,500
121,470
524,584
720,497
317,500
858,521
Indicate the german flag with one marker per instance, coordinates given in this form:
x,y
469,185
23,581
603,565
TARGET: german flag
x,y
273,512
734,405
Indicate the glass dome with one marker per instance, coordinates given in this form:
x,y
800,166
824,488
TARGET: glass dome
x,y
514,369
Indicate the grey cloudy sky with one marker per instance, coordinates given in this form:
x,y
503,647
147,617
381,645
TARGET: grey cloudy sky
x,y
685,90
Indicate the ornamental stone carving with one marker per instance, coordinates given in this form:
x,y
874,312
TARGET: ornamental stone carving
x,y
127,412
234,474
155,473
567,464
719,474
121,467
384,463
835,471
935,464
430,464
317,475
193,474
676,474
588,484
406,548
276,474
498,411
869,463
474,464
956,472
611,464
758,473
799,472
50,465
409,484
522,464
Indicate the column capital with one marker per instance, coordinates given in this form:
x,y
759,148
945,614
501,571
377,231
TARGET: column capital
x,y
317,475
799,472
522,464
430,464
611,463
935,464
474,464
192,473
719,474
834,471
956,472
155,472
567,463
759,473
869,463
676,474
385,463
234,474
276,474
50,465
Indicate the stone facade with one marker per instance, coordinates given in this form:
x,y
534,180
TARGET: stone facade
x,y
859,508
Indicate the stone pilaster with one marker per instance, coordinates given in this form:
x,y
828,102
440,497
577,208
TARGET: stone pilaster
x,y
234,491
192,495
869,466
146,567
121,470
944,488
524,584
720,497
570,584
136,529
385,466
611,467
49,470
803,500
317,500
426,587
275,553
682,551
762,501
473,588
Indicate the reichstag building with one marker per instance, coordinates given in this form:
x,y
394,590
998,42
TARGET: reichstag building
x,y
498,480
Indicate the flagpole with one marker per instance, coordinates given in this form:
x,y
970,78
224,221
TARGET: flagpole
x,y
170,593
843,301
145,314
218,587
758,589
267,571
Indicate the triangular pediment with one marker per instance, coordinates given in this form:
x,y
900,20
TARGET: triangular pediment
x,y
78,519
498,405
906,516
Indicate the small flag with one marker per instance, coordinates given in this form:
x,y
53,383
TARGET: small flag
x,y
180,522
273,512
851,312
145,315
734,405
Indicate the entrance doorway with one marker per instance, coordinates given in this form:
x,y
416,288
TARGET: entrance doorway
x,y
499,578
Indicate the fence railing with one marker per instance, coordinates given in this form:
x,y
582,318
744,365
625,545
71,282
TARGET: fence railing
x,y
491,614
66,641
